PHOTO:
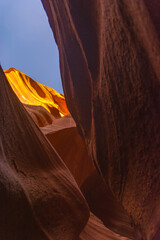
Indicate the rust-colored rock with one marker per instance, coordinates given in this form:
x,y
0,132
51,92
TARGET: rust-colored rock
x,y
110,58
40,115
95,230
104,205
65,139
62,134
61,131
39,198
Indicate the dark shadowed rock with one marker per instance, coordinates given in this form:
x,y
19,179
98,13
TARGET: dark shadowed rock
x,y
110,58
39,198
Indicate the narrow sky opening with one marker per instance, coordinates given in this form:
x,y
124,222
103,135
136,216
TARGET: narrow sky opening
x,y
27,42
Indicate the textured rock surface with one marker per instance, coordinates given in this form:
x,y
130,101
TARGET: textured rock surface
x,y
33,93
40,115
43,103
62,134
60,131
65,139
37,192
110,58
104,205
95,230
39,198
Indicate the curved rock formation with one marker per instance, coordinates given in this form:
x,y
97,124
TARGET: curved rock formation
x,y
95,230
40,115
110,58
39,198
104,205
33,93
65,139
60,131
62,134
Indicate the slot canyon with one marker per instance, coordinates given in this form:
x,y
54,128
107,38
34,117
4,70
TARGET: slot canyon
x,y
86,165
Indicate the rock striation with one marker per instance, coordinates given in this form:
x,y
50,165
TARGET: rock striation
x,y
44,189
109,59
33,93
63,136
39,198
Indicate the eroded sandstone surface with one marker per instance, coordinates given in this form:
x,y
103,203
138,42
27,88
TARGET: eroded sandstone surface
x,y
36,185
39,198
110,58
51,179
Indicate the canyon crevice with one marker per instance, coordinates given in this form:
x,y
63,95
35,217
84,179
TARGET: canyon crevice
x,y
86,165
110,58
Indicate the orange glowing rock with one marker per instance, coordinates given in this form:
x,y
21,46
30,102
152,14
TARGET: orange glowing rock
x,y
39,198
35,185
31,92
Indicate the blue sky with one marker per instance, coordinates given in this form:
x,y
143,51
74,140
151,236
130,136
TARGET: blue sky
x,y
27,42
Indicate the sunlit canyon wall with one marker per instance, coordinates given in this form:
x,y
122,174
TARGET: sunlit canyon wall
x,y
110,58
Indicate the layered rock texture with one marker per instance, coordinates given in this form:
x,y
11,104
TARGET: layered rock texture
x,y
39,197
56,185
36,185
34,95
110,58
